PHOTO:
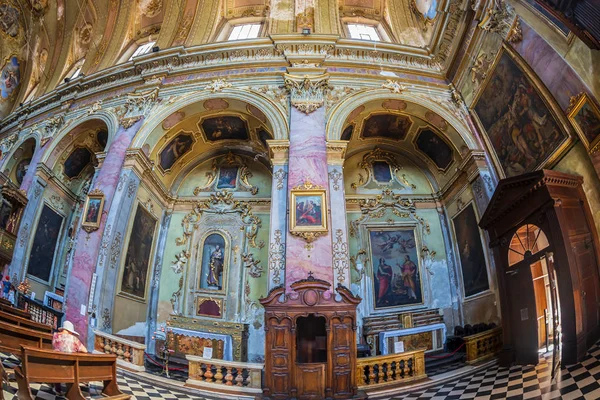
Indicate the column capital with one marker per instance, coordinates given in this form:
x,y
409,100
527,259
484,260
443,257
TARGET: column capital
x,y
279,151
473,162
307,92
336,152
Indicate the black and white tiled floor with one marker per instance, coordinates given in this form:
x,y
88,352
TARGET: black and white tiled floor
x,y
580,381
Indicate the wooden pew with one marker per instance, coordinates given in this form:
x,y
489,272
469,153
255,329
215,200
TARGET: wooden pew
x,y
46,366
5,302
23,322
15,311
12,337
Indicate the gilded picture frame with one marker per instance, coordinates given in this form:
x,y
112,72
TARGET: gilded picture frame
x,y
546,97
308,211
590,132
92,212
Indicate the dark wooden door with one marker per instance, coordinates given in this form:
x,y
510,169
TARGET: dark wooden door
x,y
310,380
279,354
523,320
342,344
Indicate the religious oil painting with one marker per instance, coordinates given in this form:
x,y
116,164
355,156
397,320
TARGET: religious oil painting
x,y
213,261
347,133
470,249
10,77
386,126
224,127
435,148
227,178
308,210
21,169
76,162
92,212
519,116
102,138
396,275
137,258
175,149
44,244
382,172
585,118
263,136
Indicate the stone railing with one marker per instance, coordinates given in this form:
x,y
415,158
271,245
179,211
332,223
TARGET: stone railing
x,y
224,376
391,369
483,345
130,355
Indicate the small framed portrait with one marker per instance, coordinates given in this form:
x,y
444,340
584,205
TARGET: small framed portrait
x,y
92,212
584,115
308,211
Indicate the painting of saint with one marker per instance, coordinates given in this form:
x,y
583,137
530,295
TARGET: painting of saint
x,y
382,172
139,250
588,121
93,211
309,210
43,248
76,162
213,261
227,178
9,19
21,170
225,128
10,77
387,126
396,276
435,148
175,149
520,126
347,134
472,258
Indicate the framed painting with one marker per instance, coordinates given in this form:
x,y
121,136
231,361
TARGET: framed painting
x,y
584,115
175,149
227,178
428,142
224,127
525,128
396,272
470,250
382,172
386,126
45,243
134,278
308,211
92,212
76,162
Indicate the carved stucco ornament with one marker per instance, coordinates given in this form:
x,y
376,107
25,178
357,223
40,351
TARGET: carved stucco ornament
x,y
393,86
51,128
136,107
217,85
307,93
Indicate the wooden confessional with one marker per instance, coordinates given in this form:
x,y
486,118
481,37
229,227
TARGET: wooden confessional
x,y
546,251
310,348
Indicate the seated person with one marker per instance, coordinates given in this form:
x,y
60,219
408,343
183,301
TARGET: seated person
x,y
66,340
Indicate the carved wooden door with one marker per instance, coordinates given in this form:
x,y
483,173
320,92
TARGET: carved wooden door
x,y
341,360
279,355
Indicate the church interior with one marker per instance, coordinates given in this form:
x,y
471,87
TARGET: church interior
x,y
300,199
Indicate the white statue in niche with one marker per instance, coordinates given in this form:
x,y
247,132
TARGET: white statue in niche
x,y
216,267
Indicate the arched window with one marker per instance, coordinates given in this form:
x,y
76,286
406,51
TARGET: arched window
x,y
527,241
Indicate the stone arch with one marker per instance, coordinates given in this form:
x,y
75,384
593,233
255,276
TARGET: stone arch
x,y
35,135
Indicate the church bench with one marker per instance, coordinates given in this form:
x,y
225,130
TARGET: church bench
x,y
12,337
47,366
15,311
24,322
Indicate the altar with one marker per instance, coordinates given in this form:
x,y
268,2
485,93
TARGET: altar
x,y
430,337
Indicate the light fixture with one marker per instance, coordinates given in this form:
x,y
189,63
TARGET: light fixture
x,y
306,31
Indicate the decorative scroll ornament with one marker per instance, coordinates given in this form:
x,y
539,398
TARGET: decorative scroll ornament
x,y
335,176
498,18
516,34
8,142
480,68
217,85
221,202
51,128
389,158
276,257
307,93
151,8
279,176
180,260
136,107
228,160
256,269
340,256
393,86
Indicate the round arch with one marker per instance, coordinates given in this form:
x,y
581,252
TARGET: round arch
x,y
275,116
8,156
339,114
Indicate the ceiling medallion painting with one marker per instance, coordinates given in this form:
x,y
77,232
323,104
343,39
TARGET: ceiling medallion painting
x,y
381,169
435,148
174,150
386,126
224,127
10,78
228,172
9,20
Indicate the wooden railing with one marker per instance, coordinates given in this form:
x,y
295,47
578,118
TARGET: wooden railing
x,y
39,312
483,345
391,369
130,355
224,376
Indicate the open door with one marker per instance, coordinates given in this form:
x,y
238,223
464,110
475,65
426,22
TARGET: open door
x,y
555,315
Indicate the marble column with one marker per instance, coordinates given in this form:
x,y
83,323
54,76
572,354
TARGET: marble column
x,y
336,151
88,244
33,164
279,150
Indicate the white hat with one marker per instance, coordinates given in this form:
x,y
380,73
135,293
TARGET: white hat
x,y
68,326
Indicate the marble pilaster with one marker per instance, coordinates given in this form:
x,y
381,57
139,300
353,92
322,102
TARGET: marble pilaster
x,y
33,164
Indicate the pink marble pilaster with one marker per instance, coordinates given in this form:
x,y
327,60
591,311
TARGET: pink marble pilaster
x,y
308,161
35,160
88,246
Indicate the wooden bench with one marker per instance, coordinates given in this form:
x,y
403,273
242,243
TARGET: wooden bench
x,y
46,366
15,311
23,322
5,302
12,337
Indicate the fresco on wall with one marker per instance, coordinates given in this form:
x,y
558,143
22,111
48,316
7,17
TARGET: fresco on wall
x,y
387,126
21,169
435,148
10,78
213,260
396,275
137,258
175,149
76,162
520,126
225,128
587,121
263,136
9,20
43,248
427,8
347,134
227,178
382,172
102,138
472,258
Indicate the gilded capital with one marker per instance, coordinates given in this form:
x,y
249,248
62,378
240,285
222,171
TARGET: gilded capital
x,y
279,151
307,93
336,151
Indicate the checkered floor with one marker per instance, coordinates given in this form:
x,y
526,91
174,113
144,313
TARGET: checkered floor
x,y
580,381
